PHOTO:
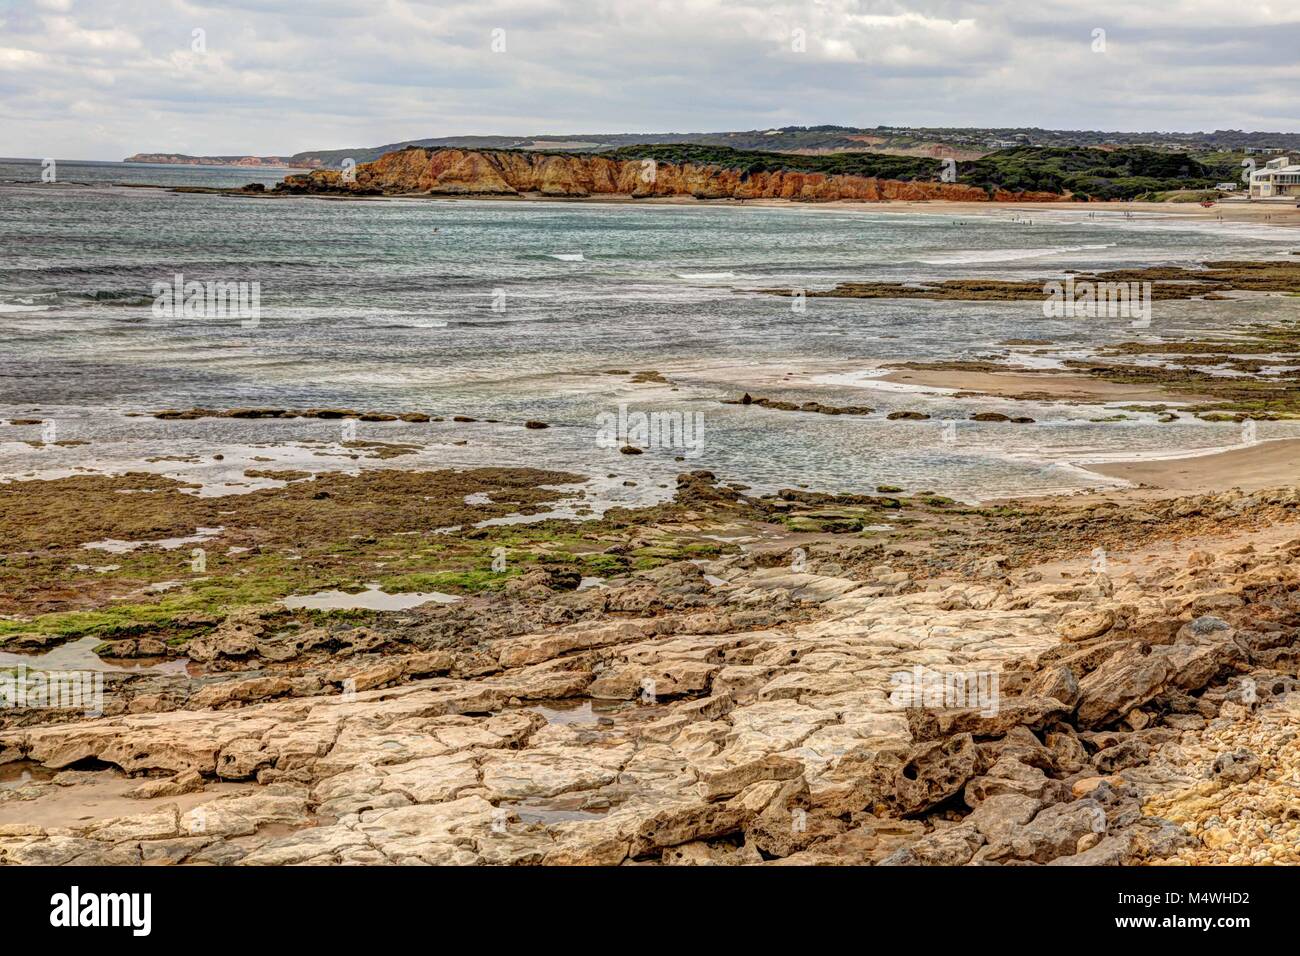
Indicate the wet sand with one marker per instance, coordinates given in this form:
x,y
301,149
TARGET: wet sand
x,y
1270,464
1237,211
1271,213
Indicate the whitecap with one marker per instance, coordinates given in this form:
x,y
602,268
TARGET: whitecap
x,y
971,256
10,307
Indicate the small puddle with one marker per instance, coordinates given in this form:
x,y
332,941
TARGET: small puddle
x,y
592,582
521,519
599,714
578,712
79,655
117,546
565,808
371,599
711,579
97,796
22,773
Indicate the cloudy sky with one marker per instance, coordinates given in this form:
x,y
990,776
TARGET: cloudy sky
x,y
100,79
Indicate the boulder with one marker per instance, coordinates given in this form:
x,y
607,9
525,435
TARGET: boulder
x,y
1008,775
997,816
187,782
950,846
1057,682
1056,830
1115,850
724,783
1127,680
1236,767
1085,623
933,772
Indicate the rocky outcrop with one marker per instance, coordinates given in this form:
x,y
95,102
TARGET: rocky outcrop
x,y
461,172
729,712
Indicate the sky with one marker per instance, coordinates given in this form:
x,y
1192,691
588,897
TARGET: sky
x,y
101,79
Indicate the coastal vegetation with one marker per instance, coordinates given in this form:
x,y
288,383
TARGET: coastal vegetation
x,y
1083,172
1022,174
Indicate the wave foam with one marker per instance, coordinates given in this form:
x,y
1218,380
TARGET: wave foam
x,y
967,256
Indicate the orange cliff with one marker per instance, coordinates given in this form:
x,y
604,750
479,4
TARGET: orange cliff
x,y
461,172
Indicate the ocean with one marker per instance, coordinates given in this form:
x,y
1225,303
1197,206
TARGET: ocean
x,y
523,310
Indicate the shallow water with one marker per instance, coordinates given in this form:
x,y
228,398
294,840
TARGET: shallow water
x,y
484,308
371,599
118,546
577,711
23,773
79,655
565,808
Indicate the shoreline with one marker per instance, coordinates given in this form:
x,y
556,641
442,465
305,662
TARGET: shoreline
x,y
513,726
1280,214
1267,464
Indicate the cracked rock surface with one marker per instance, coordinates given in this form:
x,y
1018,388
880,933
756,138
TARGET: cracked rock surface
x,y
726,712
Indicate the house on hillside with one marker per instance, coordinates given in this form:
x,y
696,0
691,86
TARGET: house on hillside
x,y
1280,178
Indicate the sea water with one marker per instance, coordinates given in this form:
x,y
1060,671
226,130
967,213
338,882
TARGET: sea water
x,y
538,310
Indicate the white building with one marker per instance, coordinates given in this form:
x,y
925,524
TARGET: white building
x,y
1279,178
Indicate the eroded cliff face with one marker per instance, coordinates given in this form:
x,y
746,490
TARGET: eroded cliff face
x,y
459,172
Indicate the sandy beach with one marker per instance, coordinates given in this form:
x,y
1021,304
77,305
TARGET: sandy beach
x,y
1266,465
1273,213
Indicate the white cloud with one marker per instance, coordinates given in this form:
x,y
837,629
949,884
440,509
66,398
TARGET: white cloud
x,y
280,75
